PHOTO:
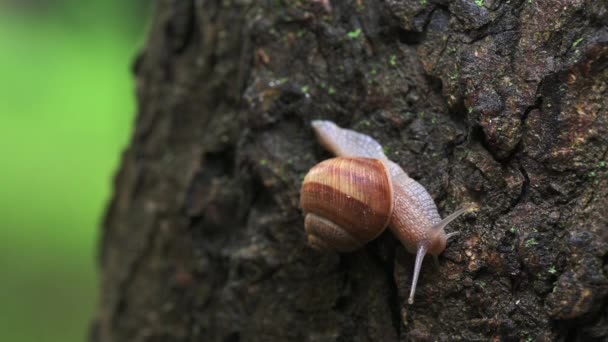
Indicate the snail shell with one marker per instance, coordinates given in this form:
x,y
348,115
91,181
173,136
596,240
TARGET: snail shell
x,y
342,216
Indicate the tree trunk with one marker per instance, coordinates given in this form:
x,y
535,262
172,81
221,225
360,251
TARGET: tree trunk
x,y
501,103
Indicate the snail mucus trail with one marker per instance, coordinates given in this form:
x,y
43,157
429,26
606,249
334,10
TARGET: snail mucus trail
x,y
349,200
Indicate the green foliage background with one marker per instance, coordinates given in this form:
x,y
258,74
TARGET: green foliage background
x,y
66,110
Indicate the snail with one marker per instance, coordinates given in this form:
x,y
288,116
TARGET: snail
x,y
349,200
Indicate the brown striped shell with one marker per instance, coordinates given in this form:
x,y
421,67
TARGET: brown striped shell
x,y
347,202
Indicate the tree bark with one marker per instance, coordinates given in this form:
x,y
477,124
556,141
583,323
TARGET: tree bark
x,y
501,103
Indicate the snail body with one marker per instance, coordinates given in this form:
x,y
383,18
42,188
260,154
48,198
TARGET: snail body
x,y
350,200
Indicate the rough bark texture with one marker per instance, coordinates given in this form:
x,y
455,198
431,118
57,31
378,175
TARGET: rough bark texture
x,y
502,103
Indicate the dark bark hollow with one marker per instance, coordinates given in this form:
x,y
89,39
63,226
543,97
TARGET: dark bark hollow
x,y
503,103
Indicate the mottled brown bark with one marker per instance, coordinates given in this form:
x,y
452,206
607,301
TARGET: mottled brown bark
x,y
503,103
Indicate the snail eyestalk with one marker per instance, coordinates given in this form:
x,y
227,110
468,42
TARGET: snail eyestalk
x,y
448,219
449,235
417,266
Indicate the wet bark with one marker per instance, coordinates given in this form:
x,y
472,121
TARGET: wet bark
x,y
501,103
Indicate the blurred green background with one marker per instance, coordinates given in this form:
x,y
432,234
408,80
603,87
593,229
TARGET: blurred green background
x,y
66,111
